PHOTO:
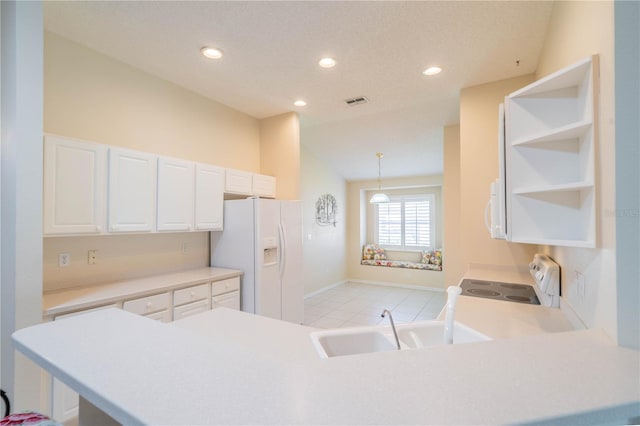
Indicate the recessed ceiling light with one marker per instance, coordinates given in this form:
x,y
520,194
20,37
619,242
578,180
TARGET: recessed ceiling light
x,y
432,71
300,103
211,52
327,62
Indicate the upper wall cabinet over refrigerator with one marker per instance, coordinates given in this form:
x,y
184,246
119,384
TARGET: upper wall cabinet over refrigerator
x,y
75,179
551,131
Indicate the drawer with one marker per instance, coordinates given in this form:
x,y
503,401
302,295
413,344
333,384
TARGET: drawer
x,y
190,309
225,286
149,304
190,294
229,300
162,316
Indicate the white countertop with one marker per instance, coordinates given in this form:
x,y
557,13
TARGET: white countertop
x,y
73,299
198,372
499,319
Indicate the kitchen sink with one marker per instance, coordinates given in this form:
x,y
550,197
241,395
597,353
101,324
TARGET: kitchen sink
x,y
430,333
359,340
350,341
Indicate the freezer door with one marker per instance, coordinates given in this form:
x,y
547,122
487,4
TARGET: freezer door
x,y
291,261
268,253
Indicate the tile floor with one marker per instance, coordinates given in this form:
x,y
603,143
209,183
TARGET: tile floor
x,y
355,304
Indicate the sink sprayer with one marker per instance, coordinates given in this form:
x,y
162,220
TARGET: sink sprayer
x,y
452,297
393,326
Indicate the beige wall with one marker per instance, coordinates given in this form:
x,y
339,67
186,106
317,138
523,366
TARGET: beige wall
x,y
357,207
90,96
280,153
454,267
478,168
324,246
578,30
121,257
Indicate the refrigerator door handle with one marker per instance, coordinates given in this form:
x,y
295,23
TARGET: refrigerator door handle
x,y
283,249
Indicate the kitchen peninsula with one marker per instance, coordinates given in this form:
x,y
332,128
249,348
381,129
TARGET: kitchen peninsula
x,y
230,367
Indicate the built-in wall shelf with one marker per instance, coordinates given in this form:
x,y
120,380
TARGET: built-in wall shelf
x,y
550,130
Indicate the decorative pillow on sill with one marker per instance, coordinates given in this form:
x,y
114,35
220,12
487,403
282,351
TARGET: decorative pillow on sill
x,y
432,257
373,252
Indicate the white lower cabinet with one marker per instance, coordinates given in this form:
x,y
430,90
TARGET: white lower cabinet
x,y
190,301
226,293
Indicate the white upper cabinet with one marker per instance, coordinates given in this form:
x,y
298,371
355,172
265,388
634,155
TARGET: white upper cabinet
x,y
176,183
209,197
238,182
74,187
132,191
246,183
263,186
551,139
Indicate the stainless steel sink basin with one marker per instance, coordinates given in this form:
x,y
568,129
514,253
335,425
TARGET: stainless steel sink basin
x,y
359,340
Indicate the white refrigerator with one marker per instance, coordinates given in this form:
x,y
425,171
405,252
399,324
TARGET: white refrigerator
x,y
263,238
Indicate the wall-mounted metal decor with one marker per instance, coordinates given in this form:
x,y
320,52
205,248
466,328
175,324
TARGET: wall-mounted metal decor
x,y
326,210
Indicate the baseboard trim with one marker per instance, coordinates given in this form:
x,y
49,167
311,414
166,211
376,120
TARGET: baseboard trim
x,y
323,289
388,284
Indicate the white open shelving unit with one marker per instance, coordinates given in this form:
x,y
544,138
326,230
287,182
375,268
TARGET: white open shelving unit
x,y
551,133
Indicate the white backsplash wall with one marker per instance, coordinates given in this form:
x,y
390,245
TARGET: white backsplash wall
x,y
121,257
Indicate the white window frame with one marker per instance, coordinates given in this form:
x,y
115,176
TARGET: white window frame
x,y
432,221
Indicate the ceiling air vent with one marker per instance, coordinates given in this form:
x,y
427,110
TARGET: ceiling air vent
x,y
356,101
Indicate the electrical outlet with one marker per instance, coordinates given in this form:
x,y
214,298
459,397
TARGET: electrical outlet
x,y
185,249
64,259
92,257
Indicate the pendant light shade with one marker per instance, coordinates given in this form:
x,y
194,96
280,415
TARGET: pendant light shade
x,y
379,197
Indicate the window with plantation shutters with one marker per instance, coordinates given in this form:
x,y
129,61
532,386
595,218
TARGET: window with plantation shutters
x,y
406,223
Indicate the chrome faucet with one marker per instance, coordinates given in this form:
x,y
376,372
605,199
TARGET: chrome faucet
x,y
393,326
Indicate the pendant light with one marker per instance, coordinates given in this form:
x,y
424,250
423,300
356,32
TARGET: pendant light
x,y
379,197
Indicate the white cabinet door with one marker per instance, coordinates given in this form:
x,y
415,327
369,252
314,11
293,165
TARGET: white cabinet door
x,y
209,201
74,187
263,186
175,194
132,191
238,182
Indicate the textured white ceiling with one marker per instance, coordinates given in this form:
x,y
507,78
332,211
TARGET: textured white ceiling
x,y
271,54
